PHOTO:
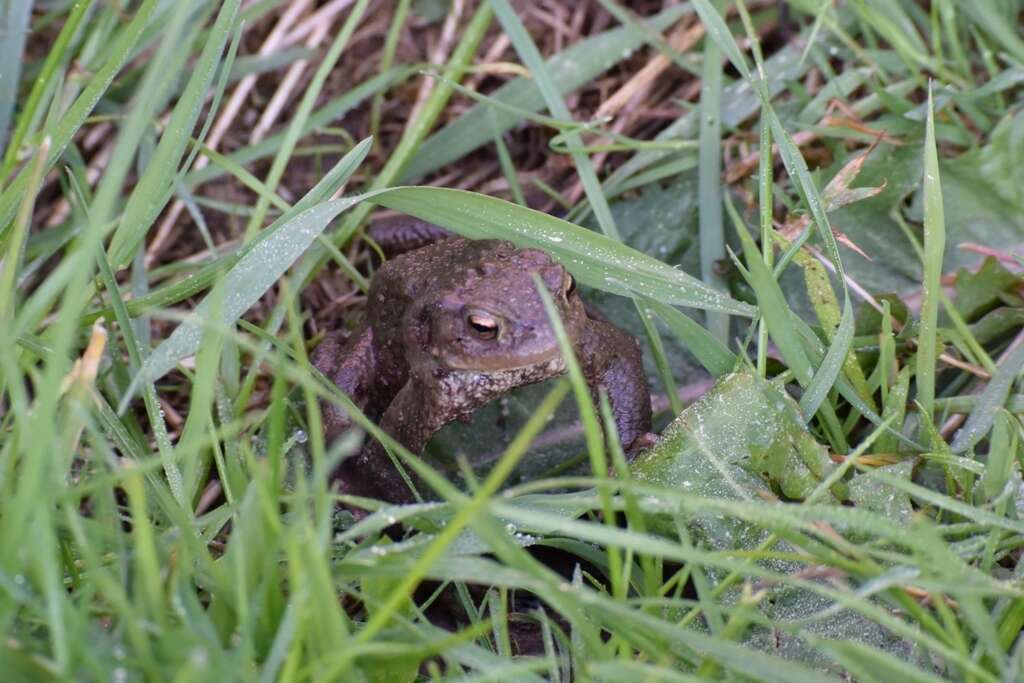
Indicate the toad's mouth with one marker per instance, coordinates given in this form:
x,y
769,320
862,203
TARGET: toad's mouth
x,y
552,358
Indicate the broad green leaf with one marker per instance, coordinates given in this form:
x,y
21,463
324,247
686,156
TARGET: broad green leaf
x,y
871,664
868,492
743,427
977,292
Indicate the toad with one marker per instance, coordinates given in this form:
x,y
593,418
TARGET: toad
x,y
453,325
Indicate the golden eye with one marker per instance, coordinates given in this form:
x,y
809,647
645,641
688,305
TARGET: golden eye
x,y
483,326
570,288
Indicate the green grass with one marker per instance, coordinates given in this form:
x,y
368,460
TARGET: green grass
x,y
165,501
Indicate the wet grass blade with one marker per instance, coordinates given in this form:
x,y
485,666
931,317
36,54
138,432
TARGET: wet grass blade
x,y
11,258
305,108
154,187
994,396
934,249
14,20
259,268
48,74
709,352
596,260
709,179
65,129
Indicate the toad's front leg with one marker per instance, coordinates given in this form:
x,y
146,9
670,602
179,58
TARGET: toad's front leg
x,y
352,365
612,359
411,419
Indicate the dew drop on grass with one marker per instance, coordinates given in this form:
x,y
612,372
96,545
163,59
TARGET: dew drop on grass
x,y
199,656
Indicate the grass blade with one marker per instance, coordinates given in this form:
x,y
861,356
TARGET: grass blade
x,y
154,187
934,249
255,272
48,73
72,120
709,352
596,260
14,18
709,178
10,263
570,69
309,97
979,422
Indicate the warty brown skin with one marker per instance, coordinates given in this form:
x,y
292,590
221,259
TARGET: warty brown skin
x,y
452,326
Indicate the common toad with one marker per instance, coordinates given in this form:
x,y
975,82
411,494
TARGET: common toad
x,y
454,325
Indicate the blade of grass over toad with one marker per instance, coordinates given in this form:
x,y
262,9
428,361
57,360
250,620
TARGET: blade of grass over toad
x,y
469,509
934,249
591,426
64,130
570,69
531,58
596,260
154,187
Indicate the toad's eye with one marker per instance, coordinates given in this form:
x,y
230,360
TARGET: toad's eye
x,y
570,287
483,326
